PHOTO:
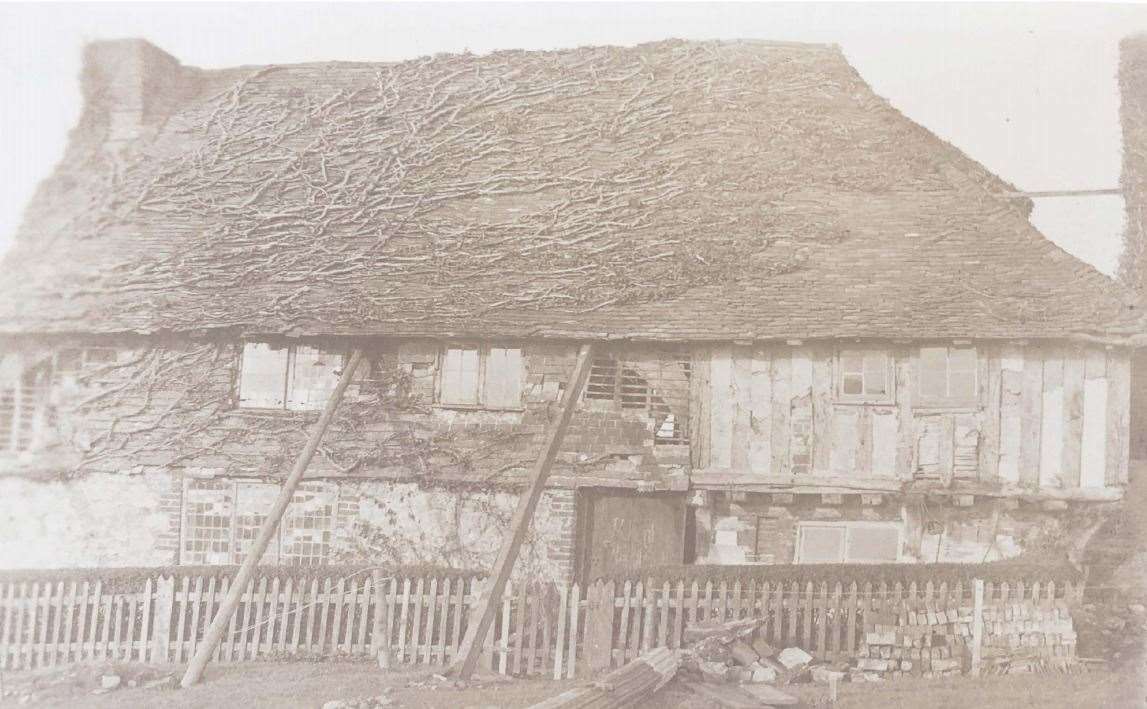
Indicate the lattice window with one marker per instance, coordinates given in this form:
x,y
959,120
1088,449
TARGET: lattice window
x,y
656,383
308,525
221,519
209,511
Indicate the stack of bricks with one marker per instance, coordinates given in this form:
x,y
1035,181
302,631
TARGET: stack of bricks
x,y
1017,637
1027,637
921,643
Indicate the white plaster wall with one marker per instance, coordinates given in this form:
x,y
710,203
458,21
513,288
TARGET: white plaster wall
x,y
95,520
457,529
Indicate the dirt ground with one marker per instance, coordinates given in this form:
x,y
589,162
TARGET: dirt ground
x,y
271,685
285,685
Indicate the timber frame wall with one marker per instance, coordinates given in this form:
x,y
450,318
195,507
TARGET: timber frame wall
x,y
1051,418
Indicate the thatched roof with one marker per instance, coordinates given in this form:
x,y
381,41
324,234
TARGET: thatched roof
x,y
675,190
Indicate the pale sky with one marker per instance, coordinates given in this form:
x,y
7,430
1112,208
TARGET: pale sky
x,y
1029,90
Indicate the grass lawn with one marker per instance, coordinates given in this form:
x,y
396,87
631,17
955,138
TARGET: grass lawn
x,y
283,685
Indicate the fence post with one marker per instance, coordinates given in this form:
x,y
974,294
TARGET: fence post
x,y
977,626
378,641
161,626
599,626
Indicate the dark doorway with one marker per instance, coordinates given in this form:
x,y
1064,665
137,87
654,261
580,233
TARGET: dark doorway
x,y
620,533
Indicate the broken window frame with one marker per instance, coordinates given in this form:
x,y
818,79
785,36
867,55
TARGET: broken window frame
x,y
612,386
948,400
292,351
848,528
864,397
482,394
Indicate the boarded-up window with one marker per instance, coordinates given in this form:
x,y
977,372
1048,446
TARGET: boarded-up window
x,y
490,377
221,519
655,382
848,542
864,375
295,377
947,375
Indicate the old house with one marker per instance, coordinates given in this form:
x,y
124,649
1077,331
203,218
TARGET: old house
x,y
824,334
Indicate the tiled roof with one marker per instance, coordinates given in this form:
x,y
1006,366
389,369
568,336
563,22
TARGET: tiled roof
x,y
675,190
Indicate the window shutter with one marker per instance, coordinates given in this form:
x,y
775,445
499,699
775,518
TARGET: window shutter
x,y
460,376
503,387
263,376
313,376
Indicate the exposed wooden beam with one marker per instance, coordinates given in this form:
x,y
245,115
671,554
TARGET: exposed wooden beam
x,y
491,598
219,624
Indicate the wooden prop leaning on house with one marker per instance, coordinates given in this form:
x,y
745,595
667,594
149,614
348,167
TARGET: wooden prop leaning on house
x,y
471,647
243,576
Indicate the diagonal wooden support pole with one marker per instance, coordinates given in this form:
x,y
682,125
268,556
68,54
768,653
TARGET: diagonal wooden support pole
x,y
471,647
219,624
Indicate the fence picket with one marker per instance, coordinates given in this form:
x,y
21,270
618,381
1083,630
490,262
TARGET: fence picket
x,y
6,636
504,634
678,615
365,600
519,624
663,625
575,609
649,602
559,650
459,611
403,612
532,657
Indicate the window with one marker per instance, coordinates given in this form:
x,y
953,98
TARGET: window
x,y
657,383
222,518
864,375
24,387
947,375
27,381
487,377
295,377
848,542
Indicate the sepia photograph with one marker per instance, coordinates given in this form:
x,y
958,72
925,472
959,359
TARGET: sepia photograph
x,y
572,355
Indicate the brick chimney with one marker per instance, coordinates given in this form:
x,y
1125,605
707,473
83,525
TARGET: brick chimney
x,y
129,86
